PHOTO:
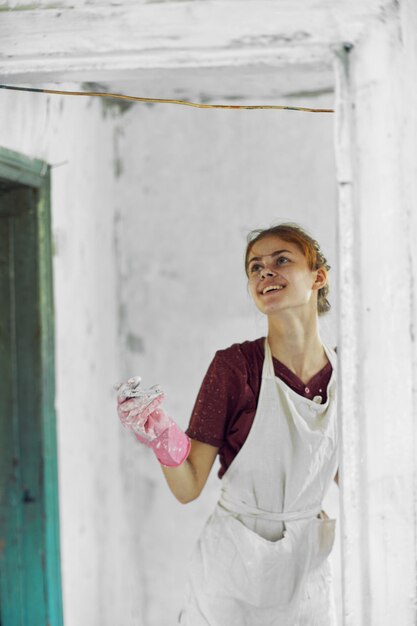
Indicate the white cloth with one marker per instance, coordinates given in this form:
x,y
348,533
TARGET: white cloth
x,y
262,558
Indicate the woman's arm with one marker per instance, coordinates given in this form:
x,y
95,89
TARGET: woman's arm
x,y
187,480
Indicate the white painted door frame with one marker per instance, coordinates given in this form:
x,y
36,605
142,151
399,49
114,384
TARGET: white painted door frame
x,y
376,154
370,48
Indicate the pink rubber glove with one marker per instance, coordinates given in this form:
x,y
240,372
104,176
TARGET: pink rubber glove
x,y
139,410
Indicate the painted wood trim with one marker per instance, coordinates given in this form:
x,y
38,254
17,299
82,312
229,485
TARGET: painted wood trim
x,y
11,588
51,491
408,16
34,173
175,35
21,169
352,500
376,176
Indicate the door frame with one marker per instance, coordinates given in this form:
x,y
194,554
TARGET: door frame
x,y
34,173
372,47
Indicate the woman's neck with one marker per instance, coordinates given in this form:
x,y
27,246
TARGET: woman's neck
x,y
297,345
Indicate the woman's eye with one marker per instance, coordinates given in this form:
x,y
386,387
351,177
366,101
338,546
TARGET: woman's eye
x,y
281,258
255,268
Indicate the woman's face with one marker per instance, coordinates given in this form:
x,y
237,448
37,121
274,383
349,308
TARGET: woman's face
x,y
280,278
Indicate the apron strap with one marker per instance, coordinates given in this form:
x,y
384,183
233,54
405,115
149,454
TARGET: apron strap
x,y
268,366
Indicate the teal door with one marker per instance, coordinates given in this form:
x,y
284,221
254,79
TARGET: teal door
x,y
30,583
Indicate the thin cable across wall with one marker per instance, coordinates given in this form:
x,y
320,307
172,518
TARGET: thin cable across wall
x,y
119,96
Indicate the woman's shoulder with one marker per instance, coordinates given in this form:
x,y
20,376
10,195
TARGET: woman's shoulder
x,y
244,353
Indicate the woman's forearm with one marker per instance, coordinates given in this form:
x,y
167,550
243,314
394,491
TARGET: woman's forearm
x,y
182,481
188,479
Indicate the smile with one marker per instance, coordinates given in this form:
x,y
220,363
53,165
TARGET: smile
x,y
272,288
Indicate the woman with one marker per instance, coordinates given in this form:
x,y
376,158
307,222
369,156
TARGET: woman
x,y
268,408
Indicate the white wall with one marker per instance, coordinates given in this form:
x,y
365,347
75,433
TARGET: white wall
x,y
119,502
193,184
76,137
150,211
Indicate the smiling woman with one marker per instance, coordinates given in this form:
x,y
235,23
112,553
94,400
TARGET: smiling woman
x,y
300,242
130,186
268,409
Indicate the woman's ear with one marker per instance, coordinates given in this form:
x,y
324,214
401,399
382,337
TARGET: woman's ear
x,y
321,278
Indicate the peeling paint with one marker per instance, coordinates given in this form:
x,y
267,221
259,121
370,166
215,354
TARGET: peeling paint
x,y
110,106
118,166
114,105
135,343
270,40
31,7
129,36
310,94
122,311
206,98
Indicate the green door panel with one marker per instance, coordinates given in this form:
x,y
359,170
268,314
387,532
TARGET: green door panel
x,y
30,582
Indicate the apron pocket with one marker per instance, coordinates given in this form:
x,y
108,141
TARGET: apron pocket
x,y
238,563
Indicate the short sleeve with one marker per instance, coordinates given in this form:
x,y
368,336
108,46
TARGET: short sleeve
x,y
217,401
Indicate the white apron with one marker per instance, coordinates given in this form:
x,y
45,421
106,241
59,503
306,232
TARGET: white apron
x,y
261,559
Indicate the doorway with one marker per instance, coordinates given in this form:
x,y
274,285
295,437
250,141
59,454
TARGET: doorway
x,y
30,583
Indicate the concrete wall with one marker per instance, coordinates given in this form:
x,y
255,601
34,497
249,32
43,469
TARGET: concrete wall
x,y
186,200
207,183
151,206
76,137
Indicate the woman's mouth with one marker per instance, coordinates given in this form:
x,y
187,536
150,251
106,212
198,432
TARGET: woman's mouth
x,y
272,288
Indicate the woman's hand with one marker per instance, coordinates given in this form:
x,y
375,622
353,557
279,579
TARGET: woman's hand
x,y
186,463
135,406
140,411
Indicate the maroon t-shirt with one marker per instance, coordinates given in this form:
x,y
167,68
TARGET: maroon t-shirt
x,y
226,403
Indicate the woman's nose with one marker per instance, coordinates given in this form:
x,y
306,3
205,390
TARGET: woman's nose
x,y
266,271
